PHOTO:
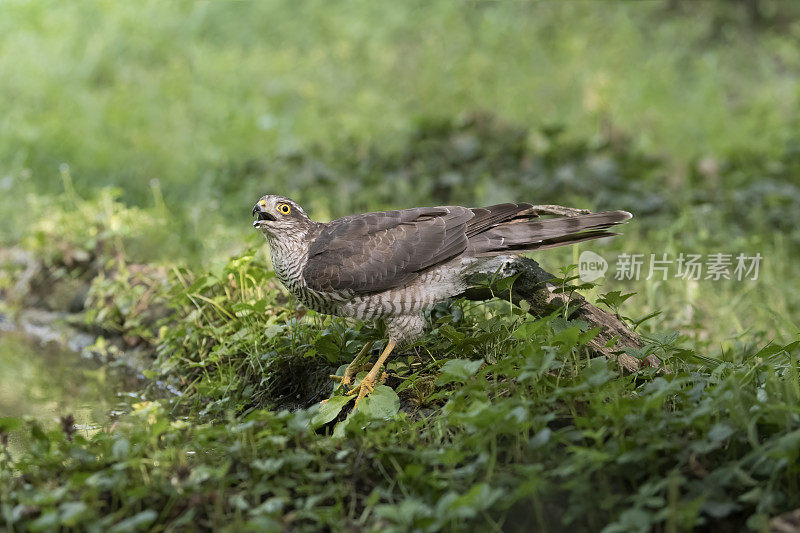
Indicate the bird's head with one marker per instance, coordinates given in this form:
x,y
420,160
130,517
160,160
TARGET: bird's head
x,y
278,216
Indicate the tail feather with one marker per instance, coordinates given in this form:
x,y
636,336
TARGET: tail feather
x,y
518,236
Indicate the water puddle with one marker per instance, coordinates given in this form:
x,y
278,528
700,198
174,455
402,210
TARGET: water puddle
x,y
46,382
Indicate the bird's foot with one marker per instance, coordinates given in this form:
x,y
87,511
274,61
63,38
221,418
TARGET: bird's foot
x,y
347,378
366,386
357,364
343,380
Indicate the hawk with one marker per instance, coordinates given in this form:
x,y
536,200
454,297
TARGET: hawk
x,y
395,265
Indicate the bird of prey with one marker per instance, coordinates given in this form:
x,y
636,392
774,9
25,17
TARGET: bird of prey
x,y
395,265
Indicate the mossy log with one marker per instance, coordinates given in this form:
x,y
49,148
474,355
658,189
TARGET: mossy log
x,y
535,286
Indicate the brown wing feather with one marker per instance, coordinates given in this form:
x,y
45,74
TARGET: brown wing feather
x,y
374,252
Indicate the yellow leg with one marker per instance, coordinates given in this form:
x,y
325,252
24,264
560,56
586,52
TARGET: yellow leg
x,y
368,383
353,367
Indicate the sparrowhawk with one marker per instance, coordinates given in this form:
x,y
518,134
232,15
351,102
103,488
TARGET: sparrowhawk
x,y
395,265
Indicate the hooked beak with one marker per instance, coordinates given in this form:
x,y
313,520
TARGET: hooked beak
x,y
262,215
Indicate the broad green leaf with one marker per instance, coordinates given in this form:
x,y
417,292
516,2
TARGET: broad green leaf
x,y
529,329
719,432
72,513
451,333
459,370
502,286
138,522
120,448
382,403
540,439
587,336
269,465
596,372
327,347
614,299
47,522
329,410
568,337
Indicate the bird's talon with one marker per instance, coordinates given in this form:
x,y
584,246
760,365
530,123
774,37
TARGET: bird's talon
x,y
363,386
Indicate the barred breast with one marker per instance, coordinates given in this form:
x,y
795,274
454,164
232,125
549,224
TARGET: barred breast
x,y
435,285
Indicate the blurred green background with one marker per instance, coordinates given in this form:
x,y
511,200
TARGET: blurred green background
x,y
135,138
685,114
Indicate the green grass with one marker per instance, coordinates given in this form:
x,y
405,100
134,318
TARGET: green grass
x,y
504,422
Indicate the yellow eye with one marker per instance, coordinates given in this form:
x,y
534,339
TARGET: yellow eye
x,y
284,209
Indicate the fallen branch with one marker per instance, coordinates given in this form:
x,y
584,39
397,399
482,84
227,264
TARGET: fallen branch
x,y
535,286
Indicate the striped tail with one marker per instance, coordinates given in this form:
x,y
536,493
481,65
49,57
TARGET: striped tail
x,y
528,234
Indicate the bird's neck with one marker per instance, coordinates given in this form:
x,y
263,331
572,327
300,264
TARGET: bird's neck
x,y
289,254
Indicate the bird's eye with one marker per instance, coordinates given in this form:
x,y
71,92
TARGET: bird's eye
x,y
284,209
